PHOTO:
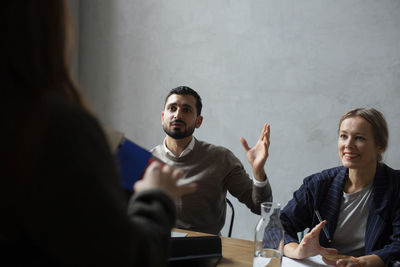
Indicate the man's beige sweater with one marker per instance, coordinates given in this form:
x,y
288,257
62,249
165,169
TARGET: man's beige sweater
x,y
216,170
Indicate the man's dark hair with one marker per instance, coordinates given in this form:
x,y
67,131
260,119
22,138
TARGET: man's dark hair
x,y
184,90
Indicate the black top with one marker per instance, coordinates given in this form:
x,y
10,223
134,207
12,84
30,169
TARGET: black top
x,y
73,211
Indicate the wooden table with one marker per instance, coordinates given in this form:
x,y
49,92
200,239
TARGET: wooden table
x,y
235,252
239,252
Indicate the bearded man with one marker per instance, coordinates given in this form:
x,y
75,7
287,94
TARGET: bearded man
x,y
214,169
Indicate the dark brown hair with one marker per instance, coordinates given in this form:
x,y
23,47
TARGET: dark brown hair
x,y
36,44
184,90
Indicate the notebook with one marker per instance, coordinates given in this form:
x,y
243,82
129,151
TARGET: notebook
x,y
132,161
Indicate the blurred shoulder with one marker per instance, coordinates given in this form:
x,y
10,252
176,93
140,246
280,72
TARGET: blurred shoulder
x,y
57,103
68,120
58,109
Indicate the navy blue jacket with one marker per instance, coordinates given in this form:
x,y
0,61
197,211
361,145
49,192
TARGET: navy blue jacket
x,y
382,236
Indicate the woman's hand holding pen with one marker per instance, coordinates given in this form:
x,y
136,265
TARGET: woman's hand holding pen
x,y
309,245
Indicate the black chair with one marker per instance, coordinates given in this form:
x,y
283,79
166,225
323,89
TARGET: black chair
x,y
232,217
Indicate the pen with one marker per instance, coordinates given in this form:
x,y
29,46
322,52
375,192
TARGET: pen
x,y
318,215
324,228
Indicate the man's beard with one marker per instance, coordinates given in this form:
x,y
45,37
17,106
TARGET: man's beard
x,y
177,134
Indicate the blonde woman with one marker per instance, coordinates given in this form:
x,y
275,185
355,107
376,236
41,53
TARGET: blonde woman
x,y
359,201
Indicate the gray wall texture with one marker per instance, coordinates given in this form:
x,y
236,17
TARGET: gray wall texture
x,y
298,65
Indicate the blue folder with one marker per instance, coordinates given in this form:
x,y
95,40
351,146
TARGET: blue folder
x,y
132,161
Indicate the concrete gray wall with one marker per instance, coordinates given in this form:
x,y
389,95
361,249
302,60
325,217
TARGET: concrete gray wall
x,y
298,65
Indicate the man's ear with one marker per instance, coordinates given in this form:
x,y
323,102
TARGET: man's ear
x,y
199,120
162,117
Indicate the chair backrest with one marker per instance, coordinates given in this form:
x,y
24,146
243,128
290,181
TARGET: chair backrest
x,y
232,217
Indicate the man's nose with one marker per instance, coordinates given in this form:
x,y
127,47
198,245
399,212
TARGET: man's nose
x,y
178,114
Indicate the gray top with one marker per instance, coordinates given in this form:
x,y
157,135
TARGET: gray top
x,y
349,237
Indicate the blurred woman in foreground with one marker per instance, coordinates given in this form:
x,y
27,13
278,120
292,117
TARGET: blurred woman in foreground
x,y
359,201
60,199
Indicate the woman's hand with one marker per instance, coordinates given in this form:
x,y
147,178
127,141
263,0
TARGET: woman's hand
x,y
342,262
309,245
364,261
164,178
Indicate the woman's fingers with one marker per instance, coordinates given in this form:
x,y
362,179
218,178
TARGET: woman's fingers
x,y
165,178
328,262
310,246
177,174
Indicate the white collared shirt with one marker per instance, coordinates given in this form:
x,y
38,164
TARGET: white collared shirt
x,y
186,151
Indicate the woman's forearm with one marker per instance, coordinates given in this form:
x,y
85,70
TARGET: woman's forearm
x,y
290,250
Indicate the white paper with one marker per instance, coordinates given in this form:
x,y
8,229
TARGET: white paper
x,y
314,261
178,234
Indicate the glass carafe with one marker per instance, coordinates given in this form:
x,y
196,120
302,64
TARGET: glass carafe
x,y
268,245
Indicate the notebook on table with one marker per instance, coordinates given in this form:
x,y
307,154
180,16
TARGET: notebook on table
x,y
195,251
